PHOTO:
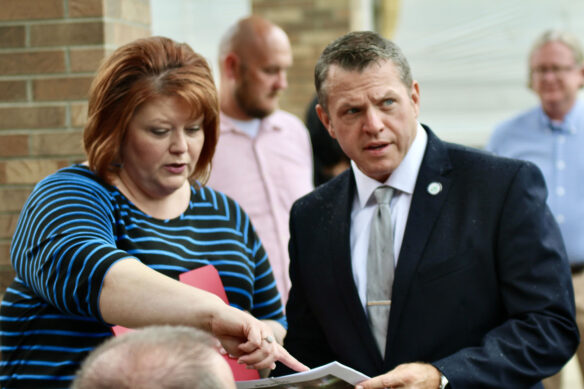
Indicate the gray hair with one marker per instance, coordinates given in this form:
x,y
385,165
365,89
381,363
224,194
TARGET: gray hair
x,y
163,357
564,37
356,51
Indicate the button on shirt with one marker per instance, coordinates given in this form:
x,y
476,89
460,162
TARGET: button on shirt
x,y
403,180
265,174
557,149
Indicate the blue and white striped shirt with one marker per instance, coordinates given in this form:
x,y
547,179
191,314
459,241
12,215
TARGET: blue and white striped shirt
x,y
72,229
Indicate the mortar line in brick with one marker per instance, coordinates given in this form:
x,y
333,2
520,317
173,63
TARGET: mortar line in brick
x,y
29,90
68,59
125,22
30,50
47,76
64,21
39,104
68,115
27,35
66,9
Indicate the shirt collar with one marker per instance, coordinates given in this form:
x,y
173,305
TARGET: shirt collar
x,y
403,178
572,121
227,123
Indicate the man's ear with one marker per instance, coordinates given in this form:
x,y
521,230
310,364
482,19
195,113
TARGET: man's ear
x,y
325,119
415,96
231,65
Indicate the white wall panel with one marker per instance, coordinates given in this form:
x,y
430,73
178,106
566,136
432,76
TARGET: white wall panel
x,y
200,23
470,57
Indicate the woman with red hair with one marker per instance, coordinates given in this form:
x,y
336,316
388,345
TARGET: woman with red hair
x,y
102,243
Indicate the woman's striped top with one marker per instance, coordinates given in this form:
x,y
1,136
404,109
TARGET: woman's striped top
x,y
72,228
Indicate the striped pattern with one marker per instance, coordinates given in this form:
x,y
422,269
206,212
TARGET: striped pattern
x,y
72,229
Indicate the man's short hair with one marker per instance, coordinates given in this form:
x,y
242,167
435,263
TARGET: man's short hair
x,y
564,37
163,357
356,51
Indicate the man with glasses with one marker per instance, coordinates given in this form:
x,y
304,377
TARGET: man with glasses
x,y
551,135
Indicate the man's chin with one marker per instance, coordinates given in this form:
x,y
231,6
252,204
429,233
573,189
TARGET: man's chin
x,y
554,102
260,112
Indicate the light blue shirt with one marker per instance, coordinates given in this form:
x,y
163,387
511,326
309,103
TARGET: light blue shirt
x,y
557,148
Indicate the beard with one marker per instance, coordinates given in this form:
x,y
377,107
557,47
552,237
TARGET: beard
x,y
249,103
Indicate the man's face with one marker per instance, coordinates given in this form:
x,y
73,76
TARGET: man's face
x,y
262,75
555,77
373,115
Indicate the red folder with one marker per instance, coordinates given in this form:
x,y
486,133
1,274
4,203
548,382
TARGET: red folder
x,y
207,278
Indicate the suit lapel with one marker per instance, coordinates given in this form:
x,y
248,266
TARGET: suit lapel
x,y
340,248
424,211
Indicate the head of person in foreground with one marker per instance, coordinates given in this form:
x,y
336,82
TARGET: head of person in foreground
x,y
161,357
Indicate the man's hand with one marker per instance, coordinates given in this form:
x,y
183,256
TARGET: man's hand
x,y
408,375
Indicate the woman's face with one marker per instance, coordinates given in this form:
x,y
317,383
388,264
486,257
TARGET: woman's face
x,y
161,147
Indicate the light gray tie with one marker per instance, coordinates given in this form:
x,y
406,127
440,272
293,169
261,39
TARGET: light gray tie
x,y
380,266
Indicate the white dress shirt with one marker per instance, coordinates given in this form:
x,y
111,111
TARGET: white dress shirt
x,y
403,180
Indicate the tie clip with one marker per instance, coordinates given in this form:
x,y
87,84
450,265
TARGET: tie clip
x,y
379,302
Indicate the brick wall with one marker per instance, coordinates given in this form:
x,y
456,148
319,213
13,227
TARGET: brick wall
x,y
49,51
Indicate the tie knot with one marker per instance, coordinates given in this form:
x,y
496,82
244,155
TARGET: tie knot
x,y
383,194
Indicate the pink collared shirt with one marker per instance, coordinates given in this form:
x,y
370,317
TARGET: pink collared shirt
x,y
265,175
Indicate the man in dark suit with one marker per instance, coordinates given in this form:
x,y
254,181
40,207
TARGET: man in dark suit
x,y
481,294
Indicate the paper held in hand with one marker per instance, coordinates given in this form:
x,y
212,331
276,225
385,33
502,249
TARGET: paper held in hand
x,y
331,376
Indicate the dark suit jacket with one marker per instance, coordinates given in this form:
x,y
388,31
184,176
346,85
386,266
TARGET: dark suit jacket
x,y
482,286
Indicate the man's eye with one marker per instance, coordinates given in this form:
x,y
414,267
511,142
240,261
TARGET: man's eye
x,y
351,111
388,102
271,70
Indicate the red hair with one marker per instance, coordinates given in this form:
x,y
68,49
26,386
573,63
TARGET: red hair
x,y
135,74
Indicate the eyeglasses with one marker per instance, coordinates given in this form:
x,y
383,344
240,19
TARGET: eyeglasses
x,y
541,71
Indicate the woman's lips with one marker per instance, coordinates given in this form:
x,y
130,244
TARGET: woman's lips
x,y
176,168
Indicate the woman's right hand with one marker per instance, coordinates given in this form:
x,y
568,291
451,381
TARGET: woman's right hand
x,y
126,300
250,340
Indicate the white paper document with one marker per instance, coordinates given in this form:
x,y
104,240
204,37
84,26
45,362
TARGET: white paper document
x,y
331,376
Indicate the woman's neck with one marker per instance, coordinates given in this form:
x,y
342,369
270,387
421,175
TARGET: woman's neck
x,y
164,207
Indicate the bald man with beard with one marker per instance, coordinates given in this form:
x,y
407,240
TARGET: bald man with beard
x,y
264,156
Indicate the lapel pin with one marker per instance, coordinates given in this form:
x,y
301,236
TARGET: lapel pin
x,y
434,188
